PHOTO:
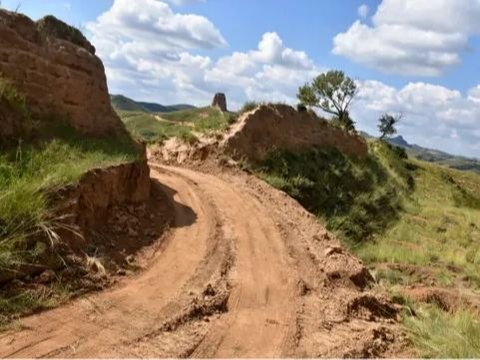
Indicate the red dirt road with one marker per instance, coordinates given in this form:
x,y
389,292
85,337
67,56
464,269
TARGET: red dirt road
x,y
244,272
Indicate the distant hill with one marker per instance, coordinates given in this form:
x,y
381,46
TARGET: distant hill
x,y
432,155
123,103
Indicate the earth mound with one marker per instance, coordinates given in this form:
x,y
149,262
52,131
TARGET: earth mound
x,y
282,127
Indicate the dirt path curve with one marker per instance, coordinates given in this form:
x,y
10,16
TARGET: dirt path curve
x,y
260,307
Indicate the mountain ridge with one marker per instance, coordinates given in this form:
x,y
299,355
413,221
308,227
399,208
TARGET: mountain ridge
x,y
123,103
432,155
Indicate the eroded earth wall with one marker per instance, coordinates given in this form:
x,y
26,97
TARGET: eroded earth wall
x,y
56,68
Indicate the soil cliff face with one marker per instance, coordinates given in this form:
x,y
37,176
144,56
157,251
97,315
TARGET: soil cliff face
x,y
282,127
90,201
56,68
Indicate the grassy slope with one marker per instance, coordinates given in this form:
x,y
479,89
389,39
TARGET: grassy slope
x,y
183,124
357,198
29,171
389,210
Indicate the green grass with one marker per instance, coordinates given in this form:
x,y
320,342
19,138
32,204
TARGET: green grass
x,y
391,210
29,172
357,198
438,334
146,127
249,106
203,119
184,124
440,223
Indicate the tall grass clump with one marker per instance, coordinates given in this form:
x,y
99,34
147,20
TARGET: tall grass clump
x,y
249,106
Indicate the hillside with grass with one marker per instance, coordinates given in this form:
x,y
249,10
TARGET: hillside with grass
x,y
186,125
48,144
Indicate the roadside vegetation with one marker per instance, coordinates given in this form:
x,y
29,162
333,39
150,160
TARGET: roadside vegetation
x,y
29,171
356,198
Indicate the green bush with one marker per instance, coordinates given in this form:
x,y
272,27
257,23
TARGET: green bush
x,y
249,106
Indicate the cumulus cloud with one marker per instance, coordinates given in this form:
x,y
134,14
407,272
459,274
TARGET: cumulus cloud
x,y
143,24
147,47
412,37
434,116
272,72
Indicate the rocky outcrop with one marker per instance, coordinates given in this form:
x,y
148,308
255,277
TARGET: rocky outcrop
x,y
282,127
55,67
220,101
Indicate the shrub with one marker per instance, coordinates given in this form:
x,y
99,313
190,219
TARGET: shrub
x,y
301,108
249,106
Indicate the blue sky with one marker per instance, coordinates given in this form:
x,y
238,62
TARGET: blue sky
x,y
418,57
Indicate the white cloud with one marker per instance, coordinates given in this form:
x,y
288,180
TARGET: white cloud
x,y
412,37
144,25
272,72
434,116
363,11
474,94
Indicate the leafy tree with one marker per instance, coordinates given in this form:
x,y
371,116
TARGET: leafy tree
x,y
332,92
387,123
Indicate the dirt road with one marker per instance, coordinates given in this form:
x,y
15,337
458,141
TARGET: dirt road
x,y
244,272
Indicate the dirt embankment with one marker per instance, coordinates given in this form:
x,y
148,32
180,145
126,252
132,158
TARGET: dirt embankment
x,y
55,67
282,127
106,207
